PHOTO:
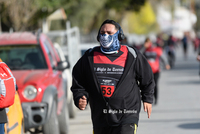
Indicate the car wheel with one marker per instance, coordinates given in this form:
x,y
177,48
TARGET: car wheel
x,y
63,119
72,109
51,126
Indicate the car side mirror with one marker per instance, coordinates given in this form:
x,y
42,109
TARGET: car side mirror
x,y
62,65
68,65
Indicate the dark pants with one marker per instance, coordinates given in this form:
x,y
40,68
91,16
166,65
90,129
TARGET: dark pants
x,y
156,77
124,129
1,128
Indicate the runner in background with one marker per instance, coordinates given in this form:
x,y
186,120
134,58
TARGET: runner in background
x,y
170,50
196,42
154,54
185,45
159,41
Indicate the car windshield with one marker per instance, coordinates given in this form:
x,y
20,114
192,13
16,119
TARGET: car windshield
x,y
19,57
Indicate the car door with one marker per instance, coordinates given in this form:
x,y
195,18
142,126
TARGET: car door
x,y
57,74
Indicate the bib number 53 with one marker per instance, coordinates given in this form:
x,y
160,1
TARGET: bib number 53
x,y
107,90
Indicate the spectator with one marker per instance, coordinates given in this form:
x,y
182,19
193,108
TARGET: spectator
x,y
3,116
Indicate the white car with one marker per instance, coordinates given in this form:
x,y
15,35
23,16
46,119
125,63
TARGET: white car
x,y
68,77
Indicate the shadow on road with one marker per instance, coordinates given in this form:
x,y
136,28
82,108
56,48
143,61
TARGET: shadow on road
x,y
185,82
182,110
185,125
190,126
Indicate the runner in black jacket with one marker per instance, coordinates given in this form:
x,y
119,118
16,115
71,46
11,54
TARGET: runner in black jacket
x,y
113,80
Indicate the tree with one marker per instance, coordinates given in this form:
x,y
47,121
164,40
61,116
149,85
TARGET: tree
x,y
17,13
133,5
28,14
143,21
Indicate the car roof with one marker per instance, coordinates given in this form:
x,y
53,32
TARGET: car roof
x,y
18,38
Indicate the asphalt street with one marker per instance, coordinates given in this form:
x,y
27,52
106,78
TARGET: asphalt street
x,y
178,108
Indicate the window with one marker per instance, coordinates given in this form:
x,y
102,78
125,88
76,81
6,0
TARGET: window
x,y
49,55
19,57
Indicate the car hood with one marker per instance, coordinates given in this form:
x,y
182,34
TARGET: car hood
x,y
24,77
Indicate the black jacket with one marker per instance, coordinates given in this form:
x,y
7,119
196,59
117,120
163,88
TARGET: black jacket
x,y
124,106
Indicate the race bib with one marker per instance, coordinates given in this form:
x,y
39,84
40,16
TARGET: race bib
x,y
107,90
107,87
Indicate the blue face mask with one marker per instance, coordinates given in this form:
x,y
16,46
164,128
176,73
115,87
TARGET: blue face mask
x,y
109,43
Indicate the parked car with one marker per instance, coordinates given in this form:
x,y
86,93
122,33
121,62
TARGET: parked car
x,y
68,78
38,71
15,123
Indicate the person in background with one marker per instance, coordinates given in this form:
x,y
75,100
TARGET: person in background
x,y
3,120
154,56
113,79
185,45
3,115
196,42
159,41
198,56
124,41
170,50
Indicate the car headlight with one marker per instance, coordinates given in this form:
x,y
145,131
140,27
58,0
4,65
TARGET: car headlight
x,y
30,92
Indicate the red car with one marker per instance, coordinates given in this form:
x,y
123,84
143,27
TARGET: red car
x,y
38,71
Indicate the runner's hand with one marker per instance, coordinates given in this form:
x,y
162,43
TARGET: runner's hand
x,y
82,103
198,57
167,67
147,108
